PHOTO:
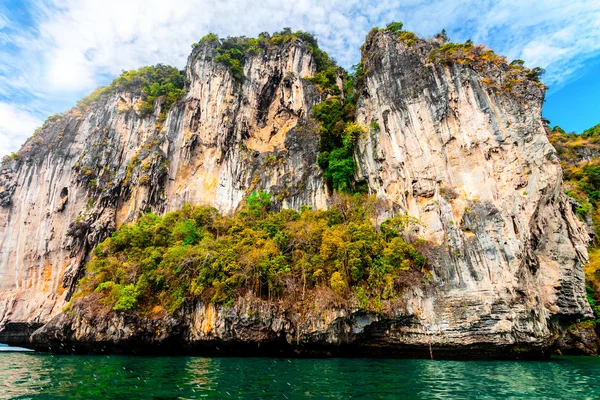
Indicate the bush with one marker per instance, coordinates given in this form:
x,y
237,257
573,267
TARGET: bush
x,y
10,157
394,27
407,37
535,73
593,131
127,298
336,146
197,253
233,51
151,82
326,80
337,283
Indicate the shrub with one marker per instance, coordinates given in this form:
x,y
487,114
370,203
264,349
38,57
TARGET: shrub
x,y
448,193
151,82
442,36
326,79
394,27
337,283
209,38
11,157
196,253
127,298
593,131
95,96
535,73
54,117
407,37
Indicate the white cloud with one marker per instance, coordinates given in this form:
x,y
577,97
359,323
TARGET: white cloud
x,y
3,20
81,38
75,44
15,125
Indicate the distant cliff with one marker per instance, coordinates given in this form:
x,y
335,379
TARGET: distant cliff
x,y
450,134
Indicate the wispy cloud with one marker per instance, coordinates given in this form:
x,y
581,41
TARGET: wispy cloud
x,y
54,51
15,125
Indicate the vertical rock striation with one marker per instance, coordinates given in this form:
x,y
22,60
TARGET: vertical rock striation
x,y
458,144
89,171
462,147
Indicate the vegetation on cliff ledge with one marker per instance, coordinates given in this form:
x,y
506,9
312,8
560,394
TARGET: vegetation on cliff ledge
x,y
406,36
507,77
339,135
580,160
151,82
196,253
234,51
338,131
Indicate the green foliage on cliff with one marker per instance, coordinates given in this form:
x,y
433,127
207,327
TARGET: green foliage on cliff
x,y
151,82
95,96
233,51
196,253
154,81
336,147
592,279
407,37
339,134
326,80
9,157
580,160
593,132
395,27
482,59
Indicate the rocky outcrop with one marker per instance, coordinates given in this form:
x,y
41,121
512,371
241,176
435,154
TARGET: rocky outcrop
x,y
580,339
89,171
448,142
254,327
474,165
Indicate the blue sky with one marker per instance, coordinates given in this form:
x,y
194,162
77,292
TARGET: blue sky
x,y
575,106
53,52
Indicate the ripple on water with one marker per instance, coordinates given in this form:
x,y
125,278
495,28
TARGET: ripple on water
x,y
32,375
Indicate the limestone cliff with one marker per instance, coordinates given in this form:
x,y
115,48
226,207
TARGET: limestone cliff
x,y
461,146
458,144
89,171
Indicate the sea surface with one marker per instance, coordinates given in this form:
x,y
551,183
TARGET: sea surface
x,y
45,376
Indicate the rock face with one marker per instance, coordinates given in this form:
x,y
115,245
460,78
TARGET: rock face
x,y
254,327
580,339
471,162
474,165
93,169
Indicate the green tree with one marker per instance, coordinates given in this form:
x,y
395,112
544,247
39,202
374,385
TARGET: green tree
x,y
163,262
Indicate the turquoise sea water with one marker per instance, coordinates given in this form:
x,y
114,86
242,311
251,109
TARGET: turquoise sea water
x,y
44,376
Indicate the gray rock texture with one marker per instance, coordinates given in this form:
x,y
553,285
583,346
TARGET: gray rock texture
x,y
474,165
472,162
97,167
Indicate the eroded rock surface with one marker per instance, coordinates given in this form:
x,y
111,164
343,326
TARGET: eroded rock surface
x,y
474,164
471,161
95,168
